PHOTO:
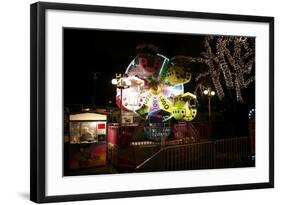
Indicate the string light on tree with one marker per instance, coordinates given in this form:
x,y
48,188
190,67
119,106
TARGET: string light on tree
x,y
230,61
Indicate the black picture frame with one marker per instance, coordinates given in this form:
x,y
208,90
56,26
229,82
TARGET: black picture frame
x,y
38,101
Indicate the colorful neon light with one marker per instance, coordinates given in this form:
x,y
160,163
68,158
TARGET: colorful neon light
x,y
157,84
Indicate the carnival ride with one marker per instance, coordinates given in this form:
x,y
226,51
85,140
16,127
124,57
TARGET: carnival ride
x,y
151,88
155,84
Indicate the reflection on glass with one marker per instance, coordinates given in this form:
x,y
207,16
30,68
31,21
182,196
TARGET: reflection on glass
x,y
82,132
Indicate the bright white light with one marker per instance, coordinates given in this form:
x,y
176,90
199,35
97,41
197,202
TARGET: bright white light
x,y
114,81
205,92
213,93
128,83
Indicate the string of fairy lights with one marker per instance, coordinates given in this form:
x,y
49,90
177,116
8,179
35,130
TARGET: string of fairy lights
x,y
229,60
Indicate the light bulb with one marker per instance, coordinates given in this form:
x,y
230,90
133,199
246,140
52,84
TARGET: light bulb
x,y
114,81
205,92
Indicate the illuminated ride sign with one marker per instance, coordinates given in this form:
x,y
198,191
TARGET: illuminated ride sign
x,y
155,84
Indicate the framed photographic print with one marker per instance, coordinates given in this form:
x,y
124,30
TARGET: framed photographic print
x,y
129,102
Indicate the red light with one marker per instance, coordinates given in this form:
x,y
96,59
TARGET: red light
x,y
101,126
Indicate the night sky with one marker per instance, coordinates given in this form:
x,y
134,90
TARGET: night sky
x,y
110,52
105,52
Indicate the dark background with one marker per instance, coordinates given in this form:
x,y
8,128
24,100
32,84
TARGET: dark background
x,y
102,53
110,52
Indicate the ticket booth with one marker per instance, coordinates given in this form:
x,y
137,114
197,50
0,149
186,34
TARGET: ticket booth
x,y
87,144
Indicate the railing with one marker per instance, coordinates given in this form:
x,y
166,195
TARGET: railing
x,y
153,163
231,151
205,155
190,156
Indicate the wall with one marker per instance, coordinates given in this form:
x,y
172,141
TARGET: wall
x,y
14,101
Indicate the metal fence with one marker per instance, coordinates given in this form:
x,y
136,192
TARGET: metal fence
x,y
190,156
232,152
223,153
